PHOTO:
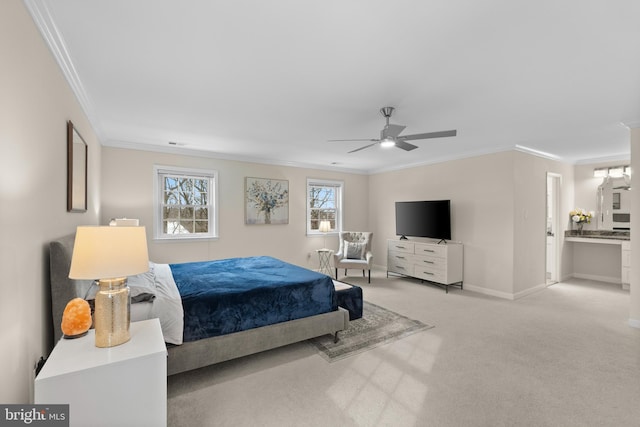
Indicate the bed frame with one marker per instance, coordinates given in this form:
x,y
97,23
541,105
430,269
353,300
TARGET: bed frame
x,y
194,354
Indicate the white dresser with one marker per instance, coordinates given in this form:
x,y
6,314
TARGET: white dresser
x,y
437,263
115,386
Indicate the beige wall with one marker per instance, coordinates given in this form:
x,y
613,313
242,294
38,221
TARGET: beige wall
x,y
481,194
127,191
35,104
498,211
530,189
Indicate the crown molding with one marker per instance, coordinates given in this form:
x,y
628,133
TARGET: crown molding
x,y
220,156
621,157
538,153
44,22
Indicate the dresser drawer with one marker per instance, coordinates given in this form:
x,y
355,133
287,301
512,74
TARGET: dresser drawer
x,y
400,263
439,251
430,263
432,275
400,246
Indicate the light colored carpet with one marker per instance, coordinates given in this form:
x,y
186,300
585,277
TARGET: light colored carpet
x,y
377,326
564,356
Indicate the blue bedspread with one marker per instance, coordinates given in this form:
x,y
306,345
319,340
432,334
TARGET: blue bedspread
x,y
231,295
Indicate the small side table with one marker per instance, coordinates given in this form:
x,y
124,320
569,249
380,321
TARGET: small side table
x,y
115,386
324,255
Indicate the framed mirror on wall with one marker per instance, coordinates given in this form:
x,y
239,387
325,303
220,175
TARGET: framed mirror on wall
x,y
77,156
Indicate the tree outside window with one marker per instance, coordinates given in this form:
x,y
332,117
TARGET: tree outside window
x,y
324,204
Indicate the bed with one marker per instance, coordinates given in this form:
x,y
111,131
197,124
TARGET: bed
x,y
229,329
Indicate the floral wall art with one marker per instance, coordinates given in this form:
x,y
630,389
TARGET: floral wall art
x,y
266,201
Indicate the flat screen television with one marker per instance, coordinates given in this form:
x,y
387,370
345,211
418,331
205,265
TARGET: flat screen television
x,y
427,218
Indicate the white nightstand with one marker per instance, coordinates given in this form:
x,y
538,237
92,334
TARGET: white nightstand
x,y
124,385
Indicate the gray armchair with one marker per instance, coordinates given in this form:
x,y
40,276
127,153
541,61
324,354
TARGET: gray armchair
x,y
354,252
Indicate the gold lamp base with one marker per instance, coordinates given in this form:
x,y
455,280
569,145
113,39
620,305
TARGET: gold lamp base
x,y
112,312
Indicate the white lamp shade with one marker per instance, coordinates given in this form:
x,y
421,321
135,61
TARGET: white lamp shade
x,y
325,227
109,252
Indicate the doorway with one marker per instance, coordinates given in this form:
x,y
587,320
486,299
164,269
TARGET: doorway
x,y
553,228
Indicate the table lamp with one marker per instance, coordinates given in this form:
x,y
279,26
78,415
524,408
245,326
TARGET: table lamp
x,y
324,228
110,254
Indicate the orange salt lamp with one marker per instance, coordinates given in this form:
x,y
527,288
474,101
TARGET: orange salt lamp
x,y
76,318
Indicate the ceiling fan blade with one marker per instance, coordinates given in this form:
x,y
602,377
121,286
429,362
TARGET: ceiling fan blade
x,y
405,145
362,148
346,140
392,131
428,135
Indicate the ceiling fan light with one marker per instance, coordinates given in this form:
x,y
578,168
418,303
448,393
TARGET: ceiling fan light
x,y
387,142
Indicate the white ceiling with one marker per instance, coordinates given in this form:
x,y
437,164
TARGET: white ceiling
x,y
274,80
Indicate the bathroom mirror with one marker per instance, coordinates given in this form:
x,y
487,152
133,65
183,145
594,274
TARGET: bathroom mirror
x,y
76,171
614,204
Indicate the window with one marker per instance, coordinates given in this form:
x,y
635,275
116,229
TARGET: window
x,y
186,203
324,203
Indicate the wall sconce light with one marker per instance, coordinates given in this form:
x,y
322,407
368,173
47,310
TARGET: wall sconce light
x,y
613,172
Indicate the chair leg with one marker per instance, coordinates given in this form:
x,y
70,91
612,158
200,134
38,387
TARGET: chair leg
x,y
369,276
363,274
336,273
345,272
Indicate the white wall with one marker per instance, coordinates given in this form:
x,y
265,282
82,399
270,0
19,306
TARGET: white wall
x,y
35,104
127,191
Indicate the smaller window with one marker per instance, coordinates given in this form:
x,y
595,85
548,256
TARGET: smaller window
x,y
186,203
324,203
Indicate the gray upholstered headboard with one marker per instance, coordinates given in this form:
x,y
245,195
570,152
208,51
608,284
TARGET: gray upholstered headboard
x,y
63,289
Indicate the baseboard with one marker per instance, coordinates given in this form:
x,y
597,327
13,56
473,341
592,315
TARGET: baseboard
x,y
530,291
491,292
606,279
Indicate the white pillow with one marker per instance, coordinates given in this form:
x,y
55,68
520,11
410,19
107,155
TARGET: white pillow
x,y
354,250
142,287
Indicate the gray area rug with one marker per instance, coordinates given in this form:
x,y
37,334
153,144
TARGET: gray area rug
x,y
377,326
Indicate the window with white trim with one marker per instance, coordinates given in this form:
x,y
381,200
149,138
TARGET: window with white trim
x,y
324,203
185,203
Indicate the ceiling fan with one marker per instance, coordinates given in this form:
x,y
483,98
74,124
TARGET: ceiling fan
x,y
390,135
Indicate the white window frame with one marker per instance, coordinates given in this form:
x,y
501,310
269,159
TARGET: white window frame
x,y
339,185
212,202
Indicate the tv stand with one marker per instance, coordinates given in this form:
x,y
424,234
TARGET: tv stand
x,y
438,264
403,238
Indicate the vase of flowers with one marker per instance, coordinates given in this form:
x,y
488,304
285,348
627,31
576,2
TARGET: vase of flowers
x,y
579,217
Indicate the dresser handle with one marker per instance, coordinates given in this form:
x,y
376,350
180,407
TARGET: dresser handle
x,y
428,262
400,257
428,250
400,267
426,272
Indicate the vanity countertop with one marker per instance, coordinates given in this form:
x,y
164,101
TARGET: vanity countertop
x,y
599,234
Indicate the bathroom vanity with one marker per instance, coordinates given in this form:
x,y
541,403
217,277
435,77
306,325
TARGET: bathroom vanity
x,y
603,255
